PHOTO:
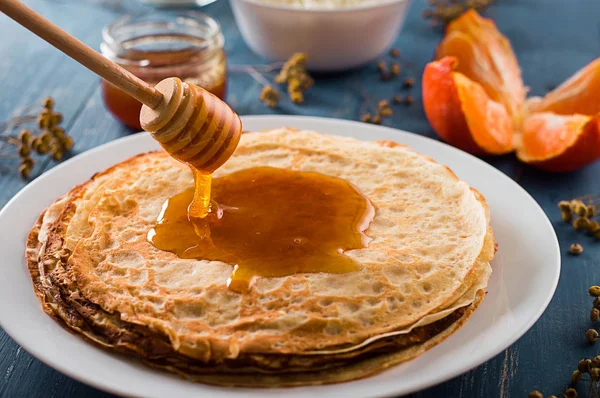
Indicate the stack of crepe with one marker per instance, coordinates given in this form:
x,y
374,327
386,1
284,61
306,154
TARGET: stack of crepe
x,y
422,275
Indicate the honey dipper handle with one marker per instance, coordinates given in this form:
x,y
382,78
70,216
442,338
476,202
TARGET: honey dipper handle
x,y
81,53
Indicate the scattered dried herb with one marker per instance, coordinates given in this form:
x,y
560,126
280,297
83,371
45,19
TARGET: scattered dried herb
x,y
581,212
51,139
586,366
269,96
387,71
441,12
295,75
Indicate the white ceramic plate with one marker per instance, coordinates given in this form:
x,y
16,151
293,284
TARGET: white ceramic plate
x,y
521,286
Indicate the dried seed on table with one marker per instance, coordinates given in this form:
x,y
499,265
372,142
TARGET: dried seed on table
x,y
384,109
409,100
596,360
581,223
58,117
48,103
596,303
395,69
25,136
68,143
566,216
397,99
593,227
58,132
594,315
595,374
385,112
29,162
584,365
592,336
563,205
578,207
45,137
394,52
25,171
594,291
366,117
535,394
42,148
576,377
570,393
24,150
409,82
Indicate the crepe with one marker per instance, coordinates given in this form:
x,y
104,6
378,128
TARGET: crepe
x,y
421,276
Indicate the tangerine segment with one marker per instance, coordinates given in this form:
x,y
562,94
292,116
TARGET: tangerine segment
x,y
579,94
461,113
560,143
488,121
485,56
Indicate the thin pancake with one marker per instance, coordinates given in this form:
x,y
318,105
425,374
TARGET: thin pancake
x,y
411,234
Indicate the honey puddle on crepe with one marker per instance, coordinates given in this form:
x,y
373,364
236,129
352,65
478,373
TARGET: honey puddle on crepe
x,y
271,222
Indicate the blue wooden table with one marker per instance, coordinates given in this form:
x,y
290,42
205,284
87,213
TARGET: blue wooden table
x,y
552,39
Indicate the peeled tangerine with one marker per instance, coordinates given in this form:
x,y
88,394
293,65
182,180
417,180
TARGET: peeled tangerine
x,y
475,99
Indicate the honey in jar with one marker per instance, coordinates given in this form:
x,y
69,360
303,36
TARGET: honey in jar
x,y
154,46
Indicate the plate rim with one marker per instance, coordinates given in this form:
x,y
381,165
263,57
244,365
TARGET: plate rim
x,y
385,388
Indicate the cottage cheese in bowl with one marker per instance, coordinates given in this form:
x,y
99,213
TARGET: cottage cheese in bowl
x,y
335,34
321,4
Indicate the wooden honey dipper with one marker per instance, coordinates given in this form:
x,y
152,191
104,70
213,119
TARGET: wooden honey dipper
x,y
191,124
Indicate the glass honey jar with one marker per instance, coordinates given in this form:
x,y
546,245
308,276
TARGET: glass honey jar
x,y
154,46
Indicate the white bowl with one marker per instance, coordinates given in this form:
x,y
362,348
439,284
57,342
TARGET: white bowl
x,y
333,39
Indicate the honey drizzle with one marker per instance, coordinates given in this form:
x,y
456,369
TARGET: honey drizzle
x,y
200,206
272,223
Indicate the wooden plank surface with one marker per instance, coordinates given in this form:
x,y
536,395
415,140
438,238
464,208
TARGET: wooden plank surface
x,y
552,39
